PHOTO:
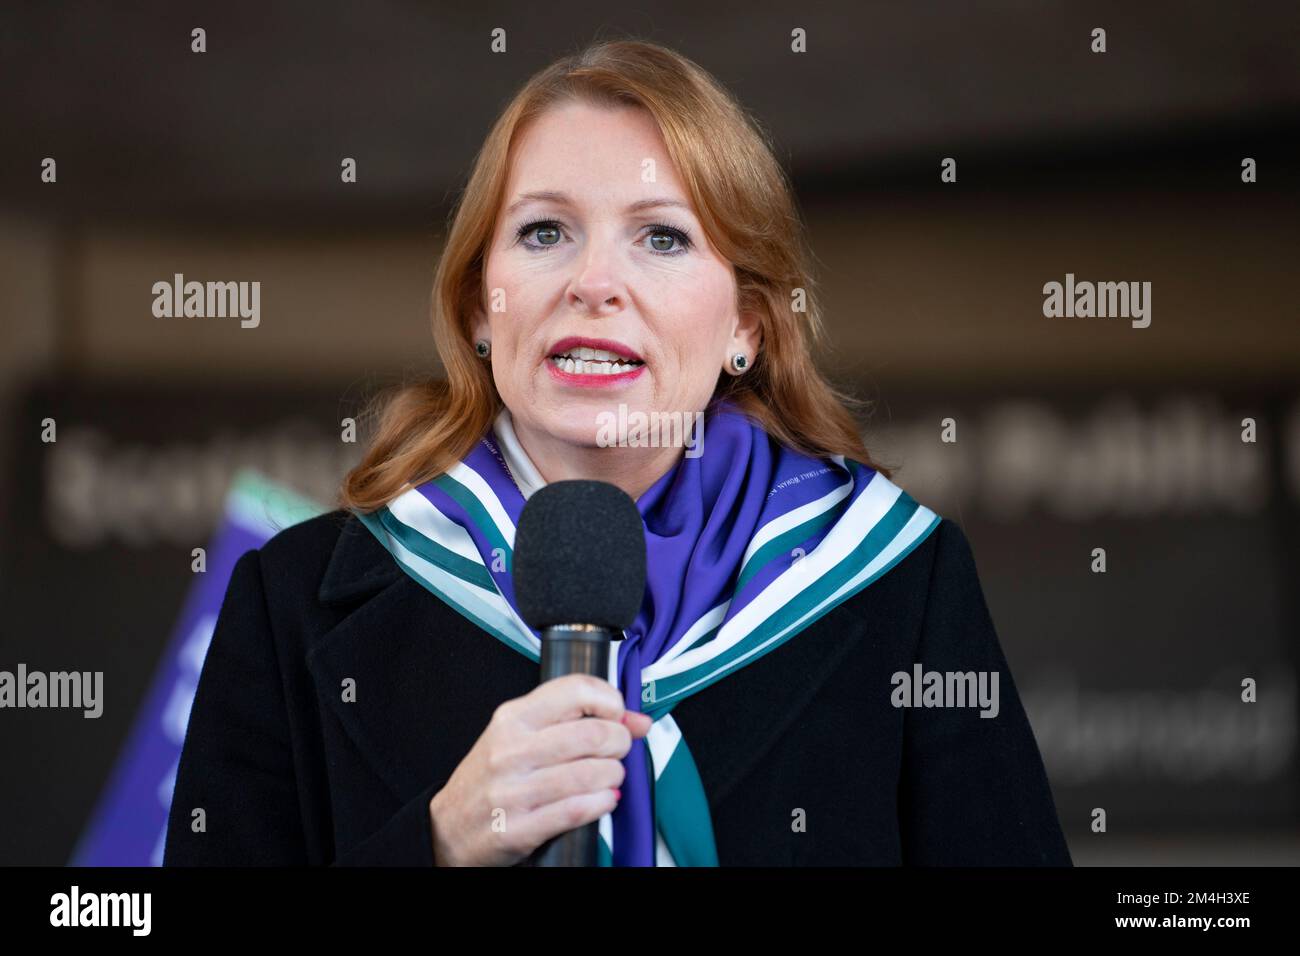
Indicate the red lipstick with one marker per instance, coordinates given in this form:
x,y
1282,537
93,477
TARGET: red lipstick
x,y
597,380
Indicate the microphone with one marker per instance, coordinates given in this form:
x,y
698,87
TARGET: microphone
x,y
579,579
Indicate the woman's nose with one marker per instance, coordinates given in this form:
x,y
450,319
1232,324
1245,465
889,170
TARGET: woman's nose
x,y
596,283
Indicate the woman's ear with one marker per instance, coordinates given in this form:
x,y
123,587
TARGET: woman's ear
x,y
480,326
748,335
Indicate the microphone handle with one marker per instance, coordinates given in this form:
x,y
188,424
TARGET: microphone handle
x,y
573,649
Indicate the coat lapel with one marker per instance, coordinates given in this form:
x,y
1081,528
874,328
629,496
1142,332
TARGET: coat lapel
x,y
730,725
427,679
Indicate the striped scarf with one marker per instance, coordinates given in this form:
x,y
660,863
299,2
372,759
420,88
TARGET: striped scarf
x,y
747,544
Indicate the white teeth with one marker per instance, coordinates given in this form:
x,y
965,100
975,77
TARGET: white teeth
x,y
580,367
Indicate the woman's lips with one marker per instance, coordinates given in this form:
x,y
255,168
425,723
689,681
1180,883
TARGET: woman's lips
x,y
592,381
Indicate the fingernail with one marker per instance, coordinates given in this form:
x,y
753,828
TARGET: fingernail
x,y
618,794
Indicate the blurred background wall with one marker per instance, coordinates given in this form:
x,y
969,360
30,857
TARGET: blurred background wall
x,y
1071,433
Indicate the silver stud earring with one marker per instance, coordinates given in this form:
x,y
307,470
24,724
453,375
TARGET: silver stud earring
x,y
483,348
739,362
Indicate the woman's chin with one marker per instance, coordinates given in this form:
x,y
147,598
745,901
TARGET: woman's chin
x,y
581,425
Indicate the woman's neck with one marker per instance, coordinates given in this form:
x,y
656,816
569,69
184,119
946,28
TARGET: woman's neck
x,y
634,470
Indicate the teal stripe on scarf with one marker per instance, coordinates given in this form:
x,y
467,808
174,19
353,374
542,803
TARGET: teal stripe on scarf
x,y
478,514
668,689
462,567
375,522
688,830
783,544
703,639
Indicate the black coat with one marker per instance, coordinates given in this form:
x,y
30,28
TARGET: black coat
x,y
288,773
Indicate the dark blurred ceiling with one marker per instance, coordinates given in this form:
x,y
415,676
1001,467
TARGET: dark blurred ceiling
x,y
256,127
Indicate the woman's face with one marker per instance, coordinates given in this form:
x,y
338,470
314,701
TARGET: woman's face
x,y
597,240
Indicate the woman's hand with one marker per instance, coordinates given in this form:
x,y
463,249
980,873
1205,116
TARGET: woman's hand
x,y
548,762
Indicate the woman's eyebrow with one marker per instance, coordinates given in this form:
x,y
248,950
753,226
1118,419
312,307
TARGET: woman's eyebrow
x,y
549,195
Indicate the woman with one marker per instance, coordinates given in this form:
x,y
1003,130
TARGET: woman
x,y
626,245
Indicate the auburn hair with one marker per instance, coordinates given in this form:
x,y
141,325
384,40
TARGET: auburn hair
x,y
745,204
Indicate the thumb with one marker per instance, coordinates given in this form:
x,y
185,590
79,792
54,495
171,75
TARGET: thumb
x,y
637,722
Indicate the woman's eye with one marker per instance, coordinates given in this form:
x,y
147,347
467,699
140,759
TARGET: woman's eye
x,y
548,233
662,241
663,237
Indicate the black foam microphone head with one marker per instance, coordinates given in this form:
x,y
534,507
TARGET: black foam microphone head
x,y
579,556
